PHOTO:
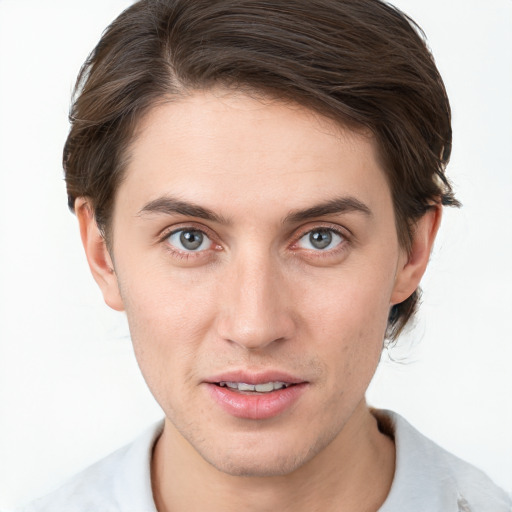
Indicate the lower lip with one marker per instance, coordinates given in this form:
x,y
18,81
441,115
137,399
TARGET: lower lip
x,y
253,406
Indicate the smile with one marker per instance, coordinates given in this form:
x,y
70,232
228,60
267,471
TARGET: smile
x,y
266,387
255,396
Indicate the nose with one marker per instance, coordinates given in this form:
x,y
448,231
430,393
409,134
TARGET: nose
x,y
255,304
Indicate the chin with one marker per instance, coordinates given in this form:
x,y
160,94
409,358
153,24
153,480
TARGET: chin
x,y
263,459
260,468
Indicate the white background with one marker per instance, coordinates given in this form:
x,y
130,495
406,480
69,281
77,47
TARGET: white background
x,y
70,390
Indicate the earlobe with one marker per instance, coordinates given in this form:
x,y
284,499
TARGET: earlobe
x,y
414,263
97,254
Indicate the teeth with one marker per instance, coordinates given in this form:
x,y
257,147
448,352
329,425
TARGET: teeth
x,y
242,386
266,387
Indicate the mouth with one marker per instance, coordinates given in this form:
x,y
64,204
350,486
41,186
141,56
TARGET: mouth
x,y
262,388
255,397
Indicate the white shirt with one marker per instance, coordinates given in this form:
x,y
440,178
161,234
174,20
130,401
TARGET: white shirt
x,y
427,479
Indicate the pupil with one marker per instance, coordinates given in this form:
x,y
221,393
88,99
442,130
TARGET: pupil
x,y
320,239
191,239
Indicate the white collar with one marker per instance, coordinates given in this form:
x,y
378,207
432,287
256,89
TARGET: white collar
x,y
430,479
427,479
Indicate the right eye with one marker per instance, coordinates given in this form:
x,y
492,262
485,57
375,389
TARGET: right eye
x,y
321,239
189,240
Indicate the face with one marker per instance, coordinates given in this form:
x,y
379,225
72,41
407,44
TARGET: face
x,y
256,256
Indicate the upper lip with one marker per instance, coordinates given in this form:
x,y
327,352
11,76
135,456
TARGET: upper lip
x,y
254,377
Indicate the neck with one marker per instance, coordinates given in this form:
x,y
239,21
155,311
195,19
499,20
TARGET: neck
x,y
353,473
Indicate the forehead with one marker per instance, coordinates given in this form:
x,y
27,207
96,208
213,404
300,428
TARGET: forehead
x,y
256,151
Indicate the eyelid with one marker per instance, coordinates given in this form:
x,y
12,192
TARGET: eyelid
x,y
164,235
183,226
173,238
335,238
336,228
341,231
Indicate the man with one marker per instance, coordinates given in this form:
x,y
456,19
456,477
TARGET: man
x,y
258,186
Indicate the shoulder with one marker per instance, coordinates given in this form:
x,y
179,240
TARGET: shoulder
x,y
429,478
120,482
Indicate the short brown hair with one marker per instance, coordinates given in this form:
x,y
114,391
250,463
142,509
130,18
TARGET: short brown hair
x,y
362,63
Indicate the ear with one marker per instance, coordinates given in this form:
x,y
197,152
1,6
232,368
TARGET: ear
x,y
97,254
412,265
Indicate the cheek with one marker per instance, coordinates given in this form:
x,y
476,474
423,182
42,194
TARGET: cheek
x,y
354,303
172,303
348,323
352,357
168,319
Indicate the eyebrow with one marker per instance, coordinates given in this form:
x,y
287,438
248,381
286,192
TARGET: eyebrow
x,y
339,205
169,205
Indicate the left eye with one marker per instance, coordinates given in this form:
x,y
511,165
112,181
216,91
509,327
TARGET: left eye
x,y
191,240
320,240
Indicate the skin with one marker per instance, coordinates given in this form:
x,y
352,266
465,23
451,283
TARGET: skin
x,y
258,296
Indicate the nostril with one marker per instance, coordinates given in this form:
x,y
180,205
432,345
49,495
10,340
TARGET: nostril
x,y
256,342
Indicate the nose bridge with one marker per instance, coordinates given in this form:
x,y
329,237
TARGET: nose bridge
x,y
256,311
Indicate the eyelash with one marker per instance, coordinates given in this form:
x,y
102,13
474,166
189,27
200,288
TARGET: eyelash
x,y
186,255
341,247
